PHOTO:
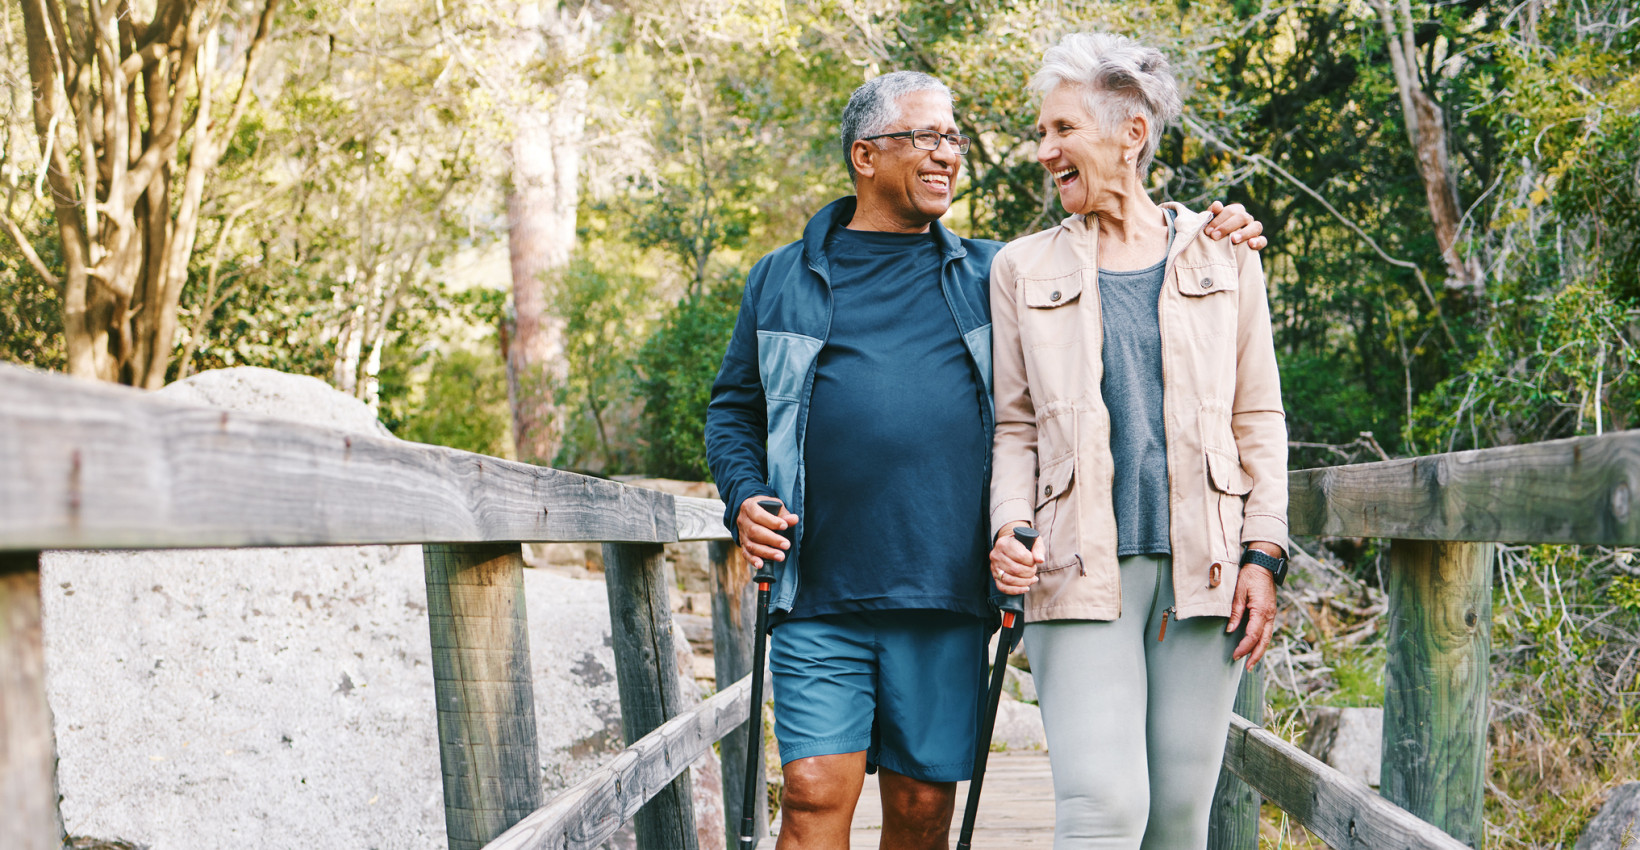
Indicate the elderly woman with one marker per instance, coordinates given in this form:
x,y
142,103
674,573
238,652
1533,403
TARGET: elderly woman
x,y
1140,430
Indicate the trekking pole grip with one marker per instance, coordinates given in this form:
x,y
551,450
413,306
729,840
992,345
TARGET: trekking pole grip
x,y
765,573
1013,607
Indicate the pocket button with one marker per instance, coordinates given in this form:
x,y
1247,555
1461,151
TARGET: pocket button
x,y
1207,283
1054,296
1048,490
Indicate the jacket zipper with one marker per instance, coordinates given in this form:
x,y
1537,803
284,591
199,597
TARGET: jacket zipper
x,y
1169,441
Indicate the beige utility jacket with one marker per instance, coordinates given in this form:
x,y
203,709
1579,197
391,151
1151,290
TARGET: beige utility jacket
x,y
1221,403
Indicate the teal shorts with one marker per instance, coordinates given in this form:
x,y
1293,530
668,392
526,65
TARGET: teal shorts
x,y
904,686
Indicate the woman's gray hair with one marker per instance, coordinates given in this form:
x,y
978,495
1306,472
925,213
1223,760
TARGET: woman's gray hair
x,y
876,105
1120,79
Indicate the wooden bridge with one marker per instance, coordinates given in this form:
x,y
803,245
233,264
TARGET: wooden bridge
x,y
92,466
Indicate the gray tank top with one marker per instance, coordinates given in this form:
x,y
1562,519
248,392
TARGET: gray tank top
x,y
1132,390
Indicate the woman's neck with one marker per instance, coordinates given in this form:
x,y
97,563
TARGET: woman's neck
x,y
1132,228
1126,213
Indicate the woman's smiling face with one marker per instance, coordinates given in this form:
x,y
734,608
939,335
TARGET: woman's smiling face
x,y
1084,160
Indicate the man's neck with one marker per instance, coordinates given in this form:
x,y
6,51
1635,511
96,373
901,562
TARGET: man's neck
x,y
870,216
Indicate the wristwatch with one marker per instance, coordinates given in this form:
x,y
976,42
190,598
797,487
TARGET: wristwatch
x,y
1276,566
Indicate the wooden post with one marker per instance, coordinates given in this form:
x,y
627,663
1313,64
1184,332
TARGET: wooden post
x,y
28,753
646,673
481,682
1436,682
1234,824
734,615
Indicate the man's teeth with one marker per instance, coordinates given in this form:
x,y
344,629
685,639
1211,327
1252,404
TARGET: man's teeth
x,y
939,180
1063,175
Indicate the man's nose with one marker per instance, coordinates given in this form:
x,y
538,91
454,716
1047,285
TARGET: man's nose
x,y
945,151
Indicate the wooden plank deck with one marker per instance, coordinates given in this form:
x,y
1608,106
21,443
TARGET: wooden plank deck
x,y
1015,812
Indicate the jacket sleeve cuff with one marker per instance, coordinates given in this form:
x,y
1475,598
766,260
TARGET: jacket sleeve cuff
x,y
732,501
1009,510
1271,529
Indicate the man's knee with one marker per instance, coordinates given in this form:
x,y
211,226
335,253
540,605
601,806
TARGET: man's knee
x,y
819,785
918,806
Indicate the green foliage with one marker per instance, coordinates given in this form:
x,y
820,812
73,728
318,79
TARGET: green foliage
x,y
1624,592
1359,676
444,376
31,322
675,370
1565,365
604,321
1556,340
461,402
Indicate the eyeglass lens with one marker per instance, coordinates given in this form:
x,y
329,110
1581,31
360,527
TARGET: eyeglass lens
x,y
929,140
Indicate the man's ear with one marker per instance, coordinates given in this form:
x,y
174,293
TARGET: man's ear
x,y
864,156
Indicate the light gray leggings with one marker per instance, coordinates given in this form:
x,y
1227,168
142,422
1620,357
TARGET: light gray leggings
x,y
1136,726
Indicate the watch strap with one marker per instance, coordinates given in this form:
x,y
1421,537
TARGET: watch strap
x,y
1276,566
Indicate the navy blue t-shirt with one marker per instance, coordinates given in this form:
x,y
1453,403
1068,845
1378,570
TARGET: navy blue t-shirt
x,y
894,451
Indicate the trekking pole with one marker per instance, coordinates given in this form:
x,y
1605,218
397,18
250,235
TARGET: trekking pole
x,y
754,728
1012,609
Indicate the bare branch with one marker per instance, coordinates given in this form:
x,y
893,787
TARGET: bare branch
x,y
264,29
141,59
29,253
1211,138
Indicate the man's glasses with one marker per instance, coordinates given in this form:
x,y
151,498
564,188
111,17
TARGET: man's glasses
x,y
927,140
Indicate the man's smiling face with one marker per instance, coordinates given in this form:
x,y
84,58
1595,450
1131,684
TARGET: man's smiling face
x,y
914,186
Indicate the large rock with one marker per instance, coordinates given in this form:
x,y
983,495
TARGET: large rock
x,y
280,697
1019,726
1349,739
284,697
1019,684
299,398
1617,827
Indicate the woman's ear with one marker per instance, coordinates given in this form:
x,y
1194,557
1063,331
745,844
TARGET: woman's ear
x,y
1134,134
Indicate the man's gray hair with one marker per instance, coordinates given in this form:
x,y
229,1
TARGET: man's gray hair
x,y
1120,79
876,105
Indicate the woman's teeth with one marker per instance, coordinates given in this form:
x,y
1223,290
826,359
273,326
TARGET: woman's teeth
x,y
1064,176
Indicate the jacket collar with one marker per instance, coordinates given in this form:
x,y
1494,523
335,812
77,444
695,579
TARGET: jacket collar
x,y
839,213
1187,225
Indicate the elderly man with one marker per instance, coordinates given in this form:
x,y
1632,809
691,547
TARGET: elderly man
x,y
857,391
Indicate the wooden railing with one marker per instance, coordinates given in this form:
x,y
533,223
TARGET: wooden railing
x,y
1443,514
93,466
90,466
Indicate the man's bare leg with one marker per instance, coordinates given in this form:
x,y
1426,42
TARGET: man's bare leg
x,y
916,814
817,805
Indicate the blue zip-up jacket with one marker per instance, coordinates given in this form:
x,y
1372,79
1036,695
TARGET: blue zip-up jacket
x,y
757,420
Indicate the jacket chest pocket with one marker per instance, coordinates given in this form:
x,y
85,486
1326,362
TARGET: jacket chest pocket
x,y
1206,280
1046,321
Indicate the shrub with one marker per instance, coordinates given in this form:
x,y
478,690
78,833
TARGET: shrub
x,y
675,370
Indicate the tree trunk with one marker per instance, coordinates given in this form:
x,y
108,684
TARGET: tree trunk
x,y
114,96
1426,130
541,206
